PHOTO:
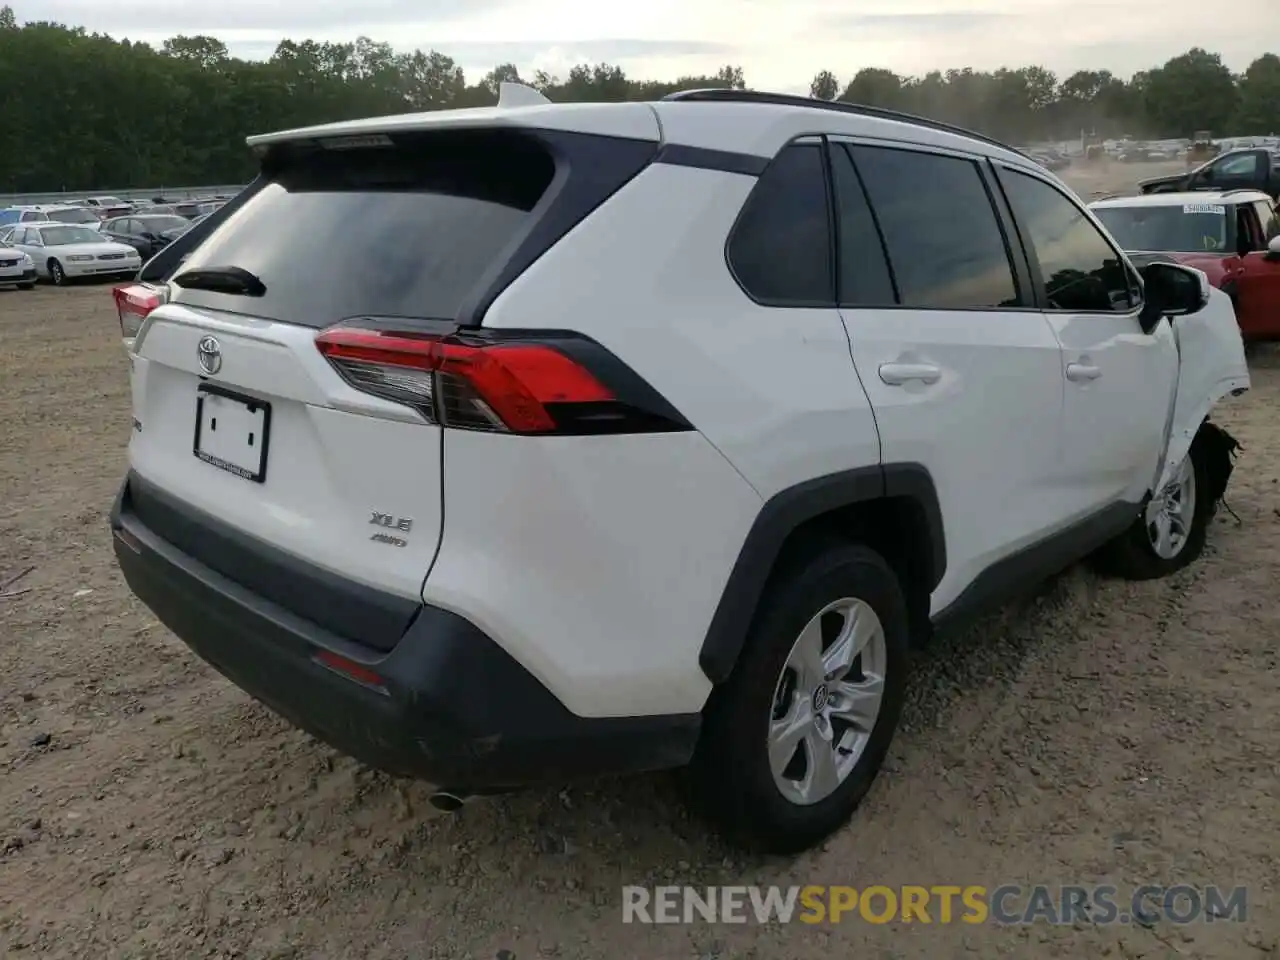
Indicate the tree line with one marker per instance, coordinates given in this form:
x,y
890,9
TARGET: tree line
x,y
85,111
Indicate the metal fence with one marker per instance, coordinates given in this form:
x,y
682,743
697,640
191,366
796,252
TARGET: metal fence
x,y
169,193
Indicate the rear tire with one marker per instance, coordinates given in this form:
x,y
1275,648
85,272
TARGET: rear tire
x,y
1170,532
781,764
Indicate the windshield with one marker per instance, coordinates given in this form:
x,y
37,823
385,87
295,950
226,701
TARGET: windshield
x,y
59,236
161,224
1187,228
72,216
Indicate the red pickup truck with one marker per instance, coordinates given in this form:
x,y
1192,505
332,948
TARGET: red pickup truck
x,y
1232,235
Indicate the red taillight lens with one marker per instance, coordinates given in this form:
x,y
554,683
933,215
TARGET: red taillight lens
x,y
133,304
506,387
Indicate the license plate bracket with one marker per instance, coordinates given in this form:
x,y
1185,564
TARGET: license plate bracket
x,y
233,431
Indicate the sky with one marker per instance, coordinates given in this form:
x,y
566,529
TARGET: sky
x,y
780,44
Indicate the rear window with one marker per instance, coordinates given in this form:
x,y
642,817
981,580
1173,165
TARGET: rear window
x,y
72,216
408,230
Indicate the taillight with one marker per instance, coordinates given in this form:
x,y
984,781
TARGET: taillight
x,y
499,382
134,302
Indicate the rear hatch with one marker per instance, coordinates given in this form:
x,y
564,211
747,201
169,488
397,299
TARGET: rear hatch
x,y
239,415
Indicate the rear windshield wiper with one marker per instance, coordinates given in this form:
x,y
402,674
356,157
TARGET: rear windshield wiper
x,y
234,280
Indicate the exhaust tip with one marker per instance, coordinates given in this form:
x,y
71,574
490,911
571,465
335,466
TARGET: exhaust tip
x,y
448,802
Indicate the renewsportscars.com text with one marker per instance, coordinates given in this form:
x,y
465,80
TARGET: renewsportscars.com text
x,y
942,904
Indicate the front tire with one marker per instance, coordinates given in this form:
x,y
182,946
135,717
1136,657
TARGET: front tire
x,y
57,274
792,742
29,285
1170,532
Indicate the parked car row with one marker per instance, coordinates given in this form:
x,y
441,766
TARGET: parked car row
x,y
92,211
100,236
61,252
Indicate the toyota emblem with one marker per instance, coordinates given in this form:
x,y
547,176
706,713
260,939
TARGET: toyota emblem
x,y
210,355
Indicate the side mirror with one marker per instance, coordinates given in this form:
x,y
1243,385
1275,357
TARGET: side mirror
x,y
148,235
1273,249
1171,290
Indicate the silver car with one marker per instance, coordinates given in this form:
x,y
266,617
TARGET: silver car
x,y
63,251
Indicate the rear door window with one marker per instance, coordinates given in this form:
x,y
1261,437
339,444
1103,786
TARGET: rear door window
x,y
406,231
944,241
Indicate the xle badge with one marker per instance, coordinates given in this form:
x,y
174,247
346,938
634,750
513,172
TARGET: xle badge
x,y
400,524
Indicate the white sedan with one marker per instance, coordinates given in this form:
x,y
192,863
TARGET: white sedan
x,y
63,251
16,269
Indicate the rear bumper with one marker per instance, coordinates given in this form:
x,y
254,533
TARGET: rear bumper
x,y
453,707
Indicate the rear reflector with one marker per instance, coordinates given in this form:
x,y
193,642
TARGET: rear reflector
x,y
134,303
503,386
351,669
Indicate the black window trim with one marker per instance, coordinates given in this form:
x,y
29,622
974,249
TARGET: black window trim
x,y
819,141
1001,168
1019,264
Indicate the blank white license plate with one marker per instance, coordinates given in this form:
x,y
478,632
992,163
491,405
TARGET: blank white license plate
x,y
232,432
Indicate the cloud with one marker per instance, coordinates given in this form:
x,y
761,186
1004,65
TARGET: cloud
x,y
916,25
168,17
583,51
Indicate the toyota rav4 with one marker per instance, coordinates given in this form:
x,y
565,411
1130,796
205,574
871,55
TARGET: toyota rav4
x,y
503,446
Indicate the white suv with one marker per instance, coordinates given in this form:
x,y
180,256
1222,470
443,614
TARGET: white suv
x,y
509,445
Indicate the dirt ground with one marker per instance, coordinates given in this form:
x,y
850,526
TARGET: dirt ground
x,y
1100,733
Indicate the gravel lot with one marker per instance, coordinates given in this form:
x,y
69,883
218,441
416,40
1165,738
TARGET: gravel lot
x,y
1100,733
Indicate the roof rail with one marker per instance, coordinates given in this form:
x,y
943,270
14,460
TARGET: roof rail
x,y
727,95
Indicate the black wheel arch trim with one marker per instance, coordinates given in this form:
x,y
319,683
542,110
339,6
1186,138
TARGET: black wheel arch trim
x,y
780,516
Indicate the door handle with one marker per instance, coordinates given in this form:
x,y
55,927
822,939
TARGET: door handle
x,y
1082,372
896,374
